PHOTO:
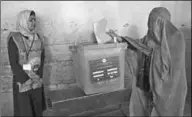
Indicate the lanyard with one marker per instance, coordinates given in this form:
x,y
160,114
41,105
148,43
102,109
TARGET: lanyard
x,y
27,52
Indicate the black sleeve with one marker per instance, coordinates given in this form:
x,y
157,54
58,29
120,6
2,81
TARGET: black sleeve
x,y
136,44
130,45
40,70
16,68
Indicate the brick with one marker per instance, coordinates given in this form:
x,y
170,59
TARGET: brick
x,y
54,56
67,38
52,87
73,85
6,78
56,73
57,49
62,86
6,104
6,84
4,43
4,58
6,70
4,35
57,58
4,50
86,37
71,35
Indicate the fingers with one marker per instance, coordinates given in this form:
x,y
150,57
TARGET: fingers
x,y
33,75
112,34
29,82
110,30
37,84
23,87
19,84
119,39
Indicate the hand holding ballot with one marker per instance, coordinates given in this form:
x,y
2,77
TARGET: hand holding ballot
x,y
35,63
37,83
32,67
112,33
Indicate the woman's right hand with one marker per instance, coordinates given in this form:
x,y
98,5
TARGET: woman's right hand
x,y
113,34
37,83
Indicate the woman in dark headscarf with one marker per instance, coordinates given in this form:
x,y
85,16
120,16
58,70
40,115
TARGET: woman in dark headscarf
x,y
161,87
26,57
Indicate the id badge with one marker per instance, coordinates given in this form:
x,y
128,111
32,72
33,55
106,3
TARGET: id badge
x,y
27,67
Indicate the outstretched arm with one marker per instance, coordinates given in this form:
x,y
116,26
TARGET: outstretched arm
x,y
137,44
133,43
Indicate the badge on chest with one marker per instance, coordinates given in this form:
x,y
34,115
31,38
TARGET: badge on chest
x,y
27,67
32,65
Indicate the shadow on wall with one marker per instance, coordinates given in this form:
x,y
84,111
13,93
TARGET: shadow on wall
x,y
93,37
47,67
132,57
187,35
135,55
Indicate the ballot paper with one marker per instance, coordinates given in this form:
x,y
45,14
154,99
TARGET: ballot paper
x,y
100,31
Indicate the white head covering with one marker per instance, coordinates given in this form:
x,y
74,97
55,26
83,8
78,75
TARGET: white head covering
x,y
21,24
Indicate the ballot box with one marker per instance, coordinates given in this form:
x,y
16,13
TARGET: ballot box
x,y
99,68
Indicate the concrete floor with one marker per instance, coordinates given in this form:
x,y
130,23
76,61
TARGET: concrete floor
x,y
187,111
125,113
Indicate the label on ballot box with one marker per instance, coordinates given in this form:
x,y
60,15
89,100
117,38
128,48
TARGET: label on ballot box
x,y
104,69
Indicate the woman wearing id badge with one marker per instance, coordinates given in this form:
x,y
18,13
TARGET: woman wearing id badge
x,y
26,57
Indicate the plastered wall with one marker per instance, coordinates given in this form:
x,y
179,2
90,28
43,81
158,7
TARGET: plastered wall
x,y
65,23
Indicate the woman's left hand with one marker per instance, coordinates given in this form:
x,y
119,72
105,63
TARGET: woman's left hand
x,y
25,87
37,83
